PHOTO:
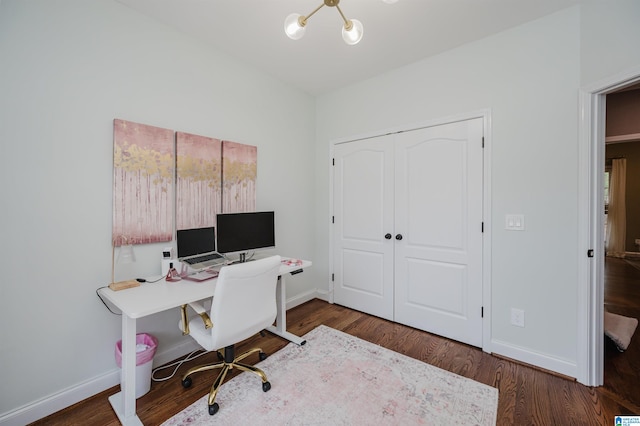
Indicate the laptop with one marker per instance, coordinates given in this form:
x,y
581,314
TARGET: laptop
x,y
197,247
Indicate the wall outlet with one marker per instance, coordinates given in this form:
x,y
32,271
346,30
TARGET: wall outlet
x,y
517,317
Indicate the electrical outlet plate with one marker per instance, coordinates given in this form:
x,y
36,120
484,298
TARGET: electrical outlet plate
x,y
517,317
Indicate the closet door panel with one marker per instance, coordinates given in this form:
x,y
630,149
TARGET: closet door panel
x,y
438,212
363,215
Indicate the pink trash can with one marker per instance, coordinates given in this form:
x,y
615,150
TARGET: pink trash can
x,y
146,346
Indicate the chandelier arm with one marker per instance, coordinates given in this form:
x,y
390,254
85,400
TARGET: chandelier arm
x,y
347,23
303,19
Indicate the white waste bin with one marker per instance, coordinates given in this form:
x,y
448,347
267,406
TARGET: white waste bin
x,y
146,346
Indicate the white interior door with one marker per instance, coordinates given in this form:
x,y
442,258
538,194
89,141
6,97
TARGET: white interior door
x,y
438,200
363,215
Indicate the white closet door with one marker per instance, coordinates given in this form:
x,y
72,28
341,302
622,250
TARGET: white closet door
x,y
363,214
438,212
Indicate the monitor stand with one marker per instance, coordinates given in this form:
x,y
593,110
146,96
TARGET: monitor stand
x,y
242,258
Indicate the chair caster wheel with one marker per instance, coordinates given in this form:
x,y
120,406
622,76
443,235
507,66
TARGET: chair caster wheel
x,y
186,382
262,356
266,386
213,408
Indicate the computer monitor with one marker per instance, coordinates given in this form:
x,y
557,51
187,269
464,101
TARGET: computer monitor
x,y
243,232
195,241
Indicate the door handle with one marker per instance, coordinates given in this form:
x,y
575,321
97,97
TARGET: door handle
x,y
388,236
399,237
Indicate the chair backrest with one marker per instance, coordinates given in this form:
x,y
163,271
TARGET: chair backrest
x,y
244,302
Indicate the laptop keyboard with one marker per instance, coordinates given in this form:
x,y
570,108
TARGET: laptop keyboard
x,y
203,258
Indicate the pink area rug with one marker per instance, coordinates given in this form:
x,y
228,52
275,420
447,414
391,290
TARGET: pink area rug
x,y
338,379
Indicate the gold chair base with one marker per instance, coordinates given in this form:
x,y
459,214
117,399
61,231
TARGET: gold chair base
x,y
225,366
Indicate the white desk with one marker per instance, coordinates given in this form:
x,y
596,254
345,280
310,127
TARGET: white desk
x,y
151,298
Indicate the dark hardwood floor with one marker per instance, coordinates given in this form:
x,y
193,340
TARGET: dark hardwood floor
x,y
622,296
527,396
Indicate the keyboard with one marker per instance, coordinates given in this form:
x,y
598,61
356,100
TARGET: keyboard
x,y
202,275
203,258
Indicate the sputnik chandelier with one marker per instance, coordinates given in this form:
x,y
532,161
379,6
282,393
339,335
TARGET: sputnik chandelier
x,y
295,24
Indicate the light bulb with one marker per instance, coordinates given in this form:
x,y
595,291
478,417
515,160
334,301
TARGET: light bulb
x,y
354,35
292,27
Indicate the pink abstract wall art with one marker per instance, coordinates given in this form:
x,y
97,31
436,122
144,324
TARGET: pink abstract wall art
x,y
143,173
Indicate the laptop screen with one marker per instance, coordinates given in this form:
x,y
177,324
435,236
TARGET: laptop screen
x,y
195,241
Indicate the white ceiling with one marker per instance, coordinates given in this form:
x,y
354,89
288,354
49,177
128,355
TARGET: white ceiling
x,y
394,34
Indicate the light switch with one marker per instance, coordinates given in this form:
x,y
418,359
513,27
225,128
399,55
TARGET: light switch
x,y
514,222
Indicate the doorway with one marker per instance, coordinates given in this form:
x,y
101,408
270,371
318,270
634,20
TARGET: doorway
x,y
622,231
591,224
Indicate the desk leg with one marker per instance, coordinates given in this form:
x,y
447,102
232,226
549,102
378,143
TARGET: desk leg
x,y
280,328
124,402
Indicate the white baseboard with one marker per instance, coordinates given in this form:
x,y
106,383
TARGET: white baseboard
x,y
46,406
558,365
55,402
323,295
62,399
302,298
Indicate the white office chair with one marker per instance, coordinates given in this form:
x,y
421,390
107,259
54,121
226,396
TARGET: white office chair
x,y
244,303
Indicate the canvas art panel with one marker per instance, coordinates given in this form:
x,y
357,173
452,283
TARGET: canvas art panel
x,y
239,173
143,174
198,180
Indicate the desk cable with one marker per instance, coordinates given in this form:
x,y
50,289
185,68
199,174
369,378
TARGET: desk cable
x,y
102,300
193,355
140,280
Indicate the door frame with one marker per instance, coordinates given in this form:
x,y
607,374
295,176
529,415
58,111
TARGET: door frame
x,y
591,158
485,114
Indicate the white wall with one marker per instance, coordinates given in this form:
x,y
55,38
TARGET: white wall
x,y
610,35
68,68
529,77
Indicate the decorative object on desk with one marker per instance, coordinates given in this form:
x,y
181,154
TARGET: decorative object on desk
x,y
619,329
172,274
239,172
198,180
292,262
165,265
339,379
126,255
143,176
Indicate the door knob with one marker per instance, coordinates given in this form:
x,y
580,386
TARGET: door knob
x,y
399,237
388,236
